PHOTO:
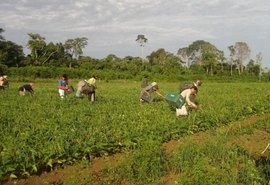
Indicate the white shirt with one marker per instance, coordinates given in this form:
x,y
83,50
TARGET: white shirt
x,y
185,94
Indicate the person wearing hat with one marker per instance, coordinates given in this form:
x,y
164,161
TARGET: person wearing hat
x,y
188,85
145,95
87,87
186,94
3,82
26,88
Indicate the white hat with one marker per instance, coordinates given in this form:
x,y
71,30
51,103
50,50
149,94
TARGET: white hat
x,y
153,83
5,76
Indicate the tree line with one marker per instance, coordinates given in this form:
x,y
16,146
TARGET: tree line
x,y
200,57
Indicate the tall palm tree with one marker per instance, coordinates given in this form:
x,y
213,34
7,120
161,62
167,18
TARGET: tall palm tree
x,y
142,41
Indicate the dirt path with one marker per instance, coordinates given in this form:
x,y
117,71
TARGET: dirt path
x,y
254,143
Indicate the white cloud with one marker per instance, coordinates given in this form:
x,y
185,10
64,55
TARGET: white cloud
x,y
112,25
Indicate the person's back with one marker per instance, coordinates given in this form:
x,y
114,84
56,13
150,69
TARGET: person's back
x,y
188,85
145,93
26,88
187,94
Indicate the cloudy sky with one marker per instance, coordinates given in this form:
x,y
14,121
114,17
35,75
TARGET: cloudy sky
x,y
112,26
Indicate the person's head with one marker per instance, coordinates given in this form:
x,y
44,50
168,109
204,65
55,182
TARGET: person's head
x,y
65,77
30,84
5,76
154,85
194,90
198,82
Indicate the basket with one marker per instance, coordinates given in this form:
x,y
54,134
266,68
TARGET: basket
x,y
175,99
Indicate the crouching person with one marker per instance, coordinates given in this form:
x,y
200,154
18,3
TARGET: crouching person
x,y
88,88
26,88
186,94
4,82
145,95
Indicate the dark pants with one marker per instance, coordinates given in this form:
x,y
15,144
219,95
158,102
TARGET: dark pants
x,y
92,96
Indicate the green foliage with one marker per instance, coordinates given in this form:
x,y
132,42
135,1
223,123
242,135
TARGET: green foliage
x,y
143,166
210,163
40,132
11,54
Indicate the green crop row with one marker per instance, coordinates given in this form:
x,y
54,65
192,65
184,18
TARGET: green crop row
x,y
42,131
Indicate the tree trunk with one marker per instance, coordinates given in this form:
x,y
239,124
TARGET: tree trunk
x,y
48,57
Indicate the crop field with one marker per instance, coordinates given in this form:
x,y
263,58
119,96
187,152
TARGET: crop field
x,y
42,132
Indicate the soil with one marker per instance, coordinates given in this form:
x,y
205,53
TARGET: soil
x,y
254,143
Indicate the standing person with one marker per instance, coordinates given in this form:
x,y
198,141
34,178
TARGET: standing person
x,y
63,86
3,82
145,95
186,94
26,88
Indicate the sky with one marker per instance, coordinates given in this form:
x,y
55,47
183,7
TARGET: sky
x,y
112,26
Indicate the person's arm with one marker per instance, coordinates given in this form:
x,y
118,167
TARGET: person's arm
x,y
159,94
190,103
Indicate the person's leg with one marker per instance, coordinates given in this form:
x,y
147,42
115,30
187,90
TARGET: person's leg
x,y
22,93
93,96
181,111
61,93
78,93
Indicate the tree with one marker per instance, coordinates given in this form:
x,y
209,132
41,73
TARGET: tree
x,y
204,53
1,31
209,59
253,68
232,57
142,41
11,54
157,57
242,53
259,59
74,47
37,46
183,55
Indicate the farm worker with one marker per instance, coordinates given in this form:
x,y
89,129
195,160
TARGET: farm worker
x,y
188,85
87,87
186,94
63,86
3,82
26,88
145,95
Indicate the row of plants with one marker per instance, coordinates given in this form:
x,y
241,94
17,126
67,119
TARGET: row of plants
x,y
207,161
40,132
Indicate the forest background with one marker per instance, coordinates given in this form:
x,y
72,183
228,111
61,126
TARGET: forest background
x,y
200,59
